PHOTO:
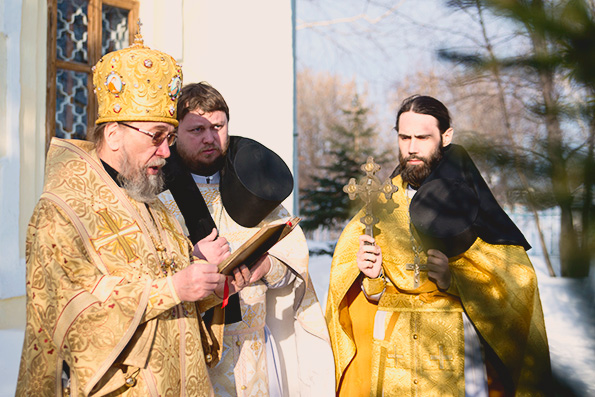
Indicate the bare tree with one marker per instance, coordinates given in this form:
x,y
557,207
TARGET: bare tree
x,y
553,149
320,99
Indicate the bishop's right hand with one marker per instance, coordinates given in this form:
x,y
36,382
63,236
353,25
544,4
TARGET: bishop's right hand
x,y
369,256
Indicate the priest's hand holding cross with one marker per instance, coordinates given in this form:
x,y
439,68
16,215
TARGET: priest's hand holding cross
x,y
369,255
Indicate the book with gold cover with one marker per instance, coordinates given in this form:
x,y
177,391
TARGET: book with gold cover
x,y
258,245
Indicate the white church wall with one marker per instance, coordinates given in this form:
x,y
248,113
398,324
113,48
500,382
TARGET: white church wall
x,y
23,68
162,26
245,50
32,112
10,92
12,277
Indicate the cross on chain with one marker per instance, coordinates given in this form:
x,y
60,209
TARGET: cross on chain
x,y
416,268
167,226
368,190
441,357
118,236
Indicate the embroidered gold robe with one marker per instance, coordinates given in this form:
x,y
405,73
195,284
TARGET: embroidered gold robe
x,y
417,345
292,313
97,296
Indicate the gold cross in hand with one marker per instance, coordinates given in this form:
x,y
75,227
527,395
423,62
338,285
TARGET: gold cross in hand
x,y
368,190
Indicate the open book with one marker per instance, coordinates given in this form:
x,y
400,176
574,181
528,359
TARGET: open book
x,y
258,245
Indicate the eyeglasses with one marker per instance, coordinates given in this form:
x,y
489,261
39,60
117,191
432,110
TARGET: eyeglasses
x,y
157,137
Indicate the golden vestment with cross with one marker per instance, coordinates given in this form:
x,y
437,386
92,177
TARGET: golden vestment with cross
x,y
411,342
99,291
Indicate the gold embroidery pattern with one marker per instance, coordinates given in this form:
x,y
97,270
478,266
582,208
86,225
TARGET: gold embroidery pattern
x,y
118,236
424,355
242,369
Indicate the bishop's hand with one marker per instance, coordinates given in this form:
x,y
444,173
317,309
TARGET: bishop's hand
x,y
369,256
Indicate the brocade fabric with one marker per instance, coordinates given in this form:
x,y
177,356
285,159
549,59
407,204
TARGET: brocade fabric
x,y
416,349
97,298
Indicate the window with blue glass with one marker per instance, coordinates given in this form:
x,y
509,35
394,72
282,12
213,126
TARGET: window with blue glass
x,y
79,33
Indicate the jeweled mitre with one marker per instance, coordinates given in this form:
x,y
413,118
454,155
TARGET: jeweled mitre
x,y
137,84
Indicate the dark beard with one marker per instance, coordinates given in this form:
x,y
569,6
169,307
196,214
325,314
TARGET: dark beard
x,y
414,175
200,168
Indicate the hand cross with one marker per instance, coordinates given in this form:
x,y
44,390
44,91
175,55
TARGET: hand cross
x,y
368,190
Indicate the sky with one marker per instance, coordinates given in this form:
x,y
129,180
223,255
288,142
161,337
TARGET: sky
x,y
379,43
376,45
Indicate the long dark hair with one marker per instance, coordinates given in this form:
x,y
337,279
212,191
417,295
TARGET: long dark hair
x,y
426,105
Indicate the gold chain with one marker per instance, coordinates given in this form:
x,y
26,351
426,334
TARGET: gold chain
x,y
166,262
417,248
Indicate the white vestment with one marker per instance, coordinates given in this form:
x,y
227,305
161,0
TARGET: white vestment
x,y
284,303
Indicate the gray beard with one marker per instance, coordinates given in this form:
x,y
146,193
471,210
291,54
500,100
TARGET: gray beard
x,y
138,184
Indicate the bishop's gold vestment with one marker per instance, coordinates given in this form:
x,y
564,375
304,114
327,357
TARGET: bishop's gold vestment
x,y
412,339
98,297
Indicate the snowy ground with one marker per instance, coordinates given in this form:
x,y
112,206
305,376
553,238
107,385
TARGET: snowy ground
x,y
569,311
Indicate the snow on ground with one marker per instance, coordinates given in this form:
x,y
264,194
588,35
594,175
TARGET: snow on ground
x,y
320,270
569,311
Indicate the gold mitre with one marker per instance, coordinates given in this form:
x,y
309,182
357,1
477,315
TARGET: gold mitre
x,y
137,84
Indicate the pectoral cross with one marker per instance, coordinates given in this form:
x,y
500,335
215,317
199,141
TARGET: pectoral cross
x,y
368,190
416,267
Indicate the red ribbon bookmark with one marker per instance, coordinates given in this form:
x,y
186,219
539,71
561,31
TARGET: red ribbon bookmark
x,y
225,294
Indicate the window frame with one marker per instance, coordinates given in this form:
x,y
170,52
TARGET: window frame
x,y
94,40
